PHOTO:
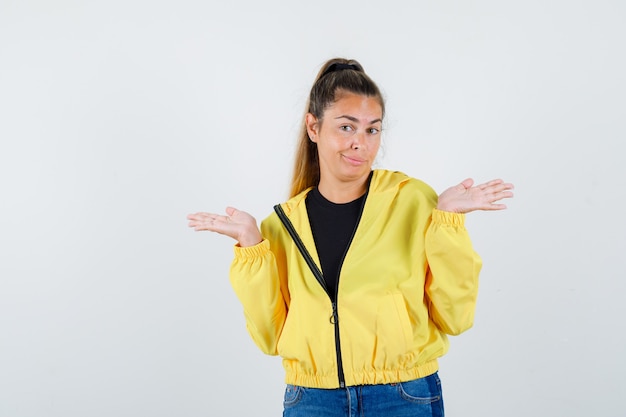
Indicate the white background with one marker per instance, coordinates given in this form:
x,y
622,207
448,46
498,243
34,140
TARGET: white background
x,y
119,118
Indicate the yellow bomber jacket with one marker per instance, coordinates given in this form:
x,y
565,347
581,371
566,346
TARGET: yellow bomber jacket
x,y
409,278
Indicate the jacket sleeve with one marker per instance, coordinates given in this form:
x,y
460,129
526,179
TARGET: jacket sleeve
x,y
452,276
254,277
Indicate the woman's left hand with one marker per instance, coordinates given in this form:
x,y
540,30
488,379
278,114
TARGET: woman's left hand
x,y
465,197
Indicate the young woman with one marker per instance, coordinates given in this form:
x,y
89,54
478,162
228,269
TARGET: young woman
x,y
396,272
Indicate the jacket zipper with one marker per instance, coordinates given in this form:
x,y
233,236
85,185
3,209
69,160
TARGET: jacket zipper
x,y
317,273
334,319
335,316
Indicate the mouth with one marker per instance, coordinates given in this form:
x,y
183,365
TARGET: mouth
x,y
353,160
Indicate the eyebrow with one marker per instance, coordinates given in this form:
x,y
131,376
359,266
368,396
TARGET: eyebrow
x,y
355,120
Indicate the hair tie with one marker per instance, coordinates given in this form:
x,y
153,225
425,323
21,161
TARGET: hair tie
x,y
340,67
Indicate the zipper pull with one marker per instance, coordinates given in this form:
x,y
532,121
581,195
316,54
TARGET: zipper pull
x,y
334,318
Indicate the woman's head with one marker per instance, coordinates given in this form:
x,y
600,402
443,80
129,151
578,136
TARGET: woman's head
x,y
337,78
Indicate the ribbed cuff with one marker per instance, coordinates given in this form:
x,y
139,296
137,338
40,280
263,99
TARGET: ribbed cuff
x,y
447,217
255,251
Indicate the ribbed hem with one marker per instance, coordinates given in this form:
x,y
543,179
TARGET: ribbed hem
x,y
374,377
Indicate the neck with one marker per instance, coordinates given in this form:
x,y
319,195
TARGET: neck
x,y
343,192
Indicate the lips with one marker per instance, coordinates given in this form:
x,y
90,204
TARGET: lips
x,y
354,160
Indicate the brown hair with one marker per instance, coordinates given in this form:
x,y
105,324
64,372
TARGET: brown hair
x,y
336,75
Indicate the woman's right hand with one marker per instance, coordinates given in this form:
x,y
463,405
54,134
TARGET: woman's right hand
x,y
237,224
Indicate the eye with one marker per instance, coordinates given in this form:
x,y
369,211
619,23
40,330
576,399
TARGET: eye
x,y
373,130
346,128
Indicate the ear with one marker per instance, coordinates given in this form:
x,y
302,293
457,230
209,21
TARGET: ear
x,y
312,126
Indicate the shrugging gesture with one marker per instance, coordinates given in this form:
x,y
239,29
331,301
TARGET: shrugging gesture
x,y
465,197
391,292
237,224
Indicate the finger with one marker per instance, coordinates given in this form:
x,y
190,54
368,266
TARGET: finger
x,y
502,186
224,228
489,184
199,216
501,190
493,207
218,218
212,223
200,224
467,183
501,195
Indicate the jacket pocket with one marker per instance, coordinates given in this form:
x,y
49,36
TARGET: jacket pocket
x,y
393,327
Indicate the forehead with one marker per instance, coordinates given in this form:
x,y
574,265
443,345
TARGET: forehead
x,y
355,105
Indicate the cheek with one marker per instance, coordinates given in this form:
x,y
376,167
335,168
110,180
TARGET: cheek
x,y
338,143
375,147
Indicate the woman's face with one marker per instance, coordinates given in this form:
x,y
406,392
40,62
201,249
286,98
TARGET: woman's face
x,y
347,137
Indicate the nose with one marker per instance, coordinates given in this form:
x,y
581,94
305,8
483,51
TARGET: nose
x,y
358,140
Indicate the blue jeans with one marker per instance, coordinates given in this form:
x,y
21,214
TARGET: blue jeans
x,y
418,398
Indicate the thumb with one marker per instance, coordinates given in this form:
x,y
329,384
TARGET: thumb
x,y
231,210
467,183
